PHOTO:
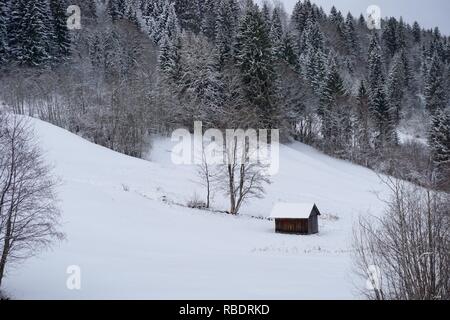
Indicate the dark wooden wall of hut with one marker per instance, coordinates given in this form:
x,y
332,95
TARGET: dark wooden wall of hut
x,y
298,226
294,226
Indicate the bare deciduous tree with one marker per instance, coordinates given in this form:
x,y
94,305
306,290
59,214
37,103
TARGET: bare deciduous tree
x,y
207,175
28,208
242,177
409,246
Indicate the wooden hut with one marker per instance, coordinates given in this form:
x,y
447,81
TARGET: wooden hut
x,y
296,218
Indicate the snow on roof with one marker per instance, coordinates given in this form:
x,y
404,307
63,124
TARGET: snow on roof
x,y
292,210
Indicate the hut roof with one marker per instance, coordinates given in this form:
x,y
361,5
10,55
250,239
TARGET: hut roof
x,y
292,210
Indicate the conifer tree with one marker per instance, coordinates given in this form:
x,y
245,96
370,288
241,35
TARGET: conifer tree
x,y
302,13
266,16
390,37
334,112
362,130
14,29
417,32
395,87
379,105
439,141
62,42
209,19
156,14
435,87
383,119
375,63
116,9
254,60
401,35
35,34
333,88
276,34
408,77
169,56
313,59
226,29
350,36
362,21
189,14
288,53
4,20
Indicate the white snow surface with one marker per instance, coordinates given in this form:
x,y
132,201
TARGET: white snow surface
x,y
292,210
132,241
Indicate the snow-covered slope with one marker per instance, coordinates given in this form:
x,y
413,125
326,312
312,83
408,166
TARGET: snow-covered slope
x,y
132,243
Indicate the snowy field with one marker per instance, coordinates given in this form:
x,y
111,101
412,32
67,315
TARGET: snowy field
x,y
132,241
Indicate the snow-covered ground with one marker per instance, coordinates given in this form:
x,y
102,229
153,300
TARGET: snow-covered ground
x,y
132,243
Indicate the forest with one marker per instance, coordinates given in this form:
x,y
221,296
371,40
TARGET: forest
x,y
139,68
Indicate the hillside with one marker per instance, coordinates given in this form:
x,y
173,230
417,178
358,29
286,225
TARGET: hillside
x,y
132,244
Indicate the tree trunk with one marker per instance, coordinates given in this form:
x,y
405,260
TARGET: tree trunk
x,y
231,189
6,247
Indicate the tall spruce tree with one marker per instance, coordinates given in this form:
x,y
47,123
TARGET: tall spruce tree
x,y
379,105
169,55
334,112
375,63
209,19
254,60
302,13
383,119
288,53
276,34
350,36
439,141
417,32
189,14
435,86
14,29
61,35
35,35
4,21
226,29
395,87
313,58
362,126
390,37
116,9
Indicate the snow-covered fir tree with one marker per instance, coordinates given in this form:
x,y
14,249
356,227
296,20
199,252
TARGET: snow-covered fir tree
x,y
255,62
350,36
169,55
35,34
4,22
362,128
435,86
117,9
276,33
375,64
226,29
189,14
208,27
335,111
61,35
416,32
439,141
313,57
395,87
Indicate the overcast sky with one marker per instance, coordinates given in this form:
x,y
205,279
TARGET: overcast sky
x,y
429,13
